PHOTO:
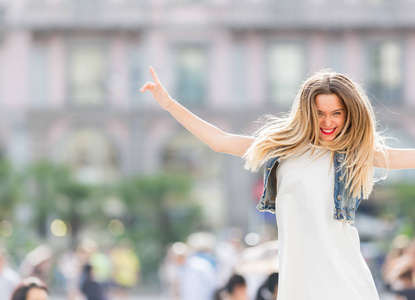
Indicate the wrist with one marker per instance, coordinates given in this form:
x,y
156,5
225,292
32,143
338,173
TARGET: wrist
x,y
170,105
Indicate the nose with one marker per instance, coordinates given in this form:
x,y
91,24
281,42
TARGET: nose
x,y
326,122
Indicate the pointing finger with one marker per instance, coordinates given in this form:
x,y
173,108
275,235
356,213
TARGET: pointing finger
x,y
155,77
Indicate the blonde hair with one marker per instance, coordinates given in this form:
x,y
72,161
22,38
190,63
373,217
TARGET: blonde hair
x,y
295,132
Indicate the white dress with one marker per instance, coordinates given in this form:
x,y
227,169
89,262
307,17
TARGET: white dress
x,y
319,257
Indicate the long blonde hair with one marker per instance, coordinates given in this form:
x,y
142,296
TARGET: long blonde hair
x,y
295,132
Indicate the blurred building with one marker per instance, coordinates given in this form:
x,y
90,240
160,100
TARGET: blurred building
x,y
71,70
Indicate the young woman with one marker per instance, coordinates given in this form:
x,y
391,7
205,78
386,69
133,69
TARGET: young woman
x,y
269,289
235,289
31,288
318,166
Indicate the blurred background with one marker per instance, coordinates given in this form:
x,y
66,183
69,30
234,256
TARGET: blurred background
x,y
92,171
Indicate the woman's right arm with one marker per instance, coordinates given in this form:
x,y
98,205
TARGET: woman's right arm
x,y
215,138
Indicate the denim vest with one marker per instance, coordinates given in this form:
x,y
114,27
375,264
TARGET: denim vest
x,y
344,205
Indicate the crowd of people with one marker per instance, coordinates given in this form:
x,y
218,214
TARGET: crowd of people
x,y
98,274
200,268
84,274
205,269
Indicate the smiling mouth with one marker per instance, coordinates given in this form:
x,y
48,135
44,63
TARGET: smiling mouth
x,y
328,132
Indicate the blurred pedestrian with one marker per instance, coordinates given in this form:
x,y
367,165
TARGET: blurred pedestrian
x,y
125,269
9,278
235,289
399,268
198,273
394,256
70,267
319,161
90,288
102,266
227,254
38,263
170,270
269,289
31,288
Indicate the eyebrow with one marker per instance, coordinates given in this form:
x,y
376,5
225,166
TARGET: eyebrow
x,y
332,111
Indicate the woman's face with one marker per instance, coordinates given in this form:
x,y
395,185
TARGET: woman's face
x,y
239,293
331,113
37,294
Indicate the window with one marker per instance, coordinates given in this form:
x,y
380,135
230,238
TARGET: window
x,y
385,72
39,76
91,155
238,74
286,70
18,145
191,82
87,74
135,59
335,53
185,153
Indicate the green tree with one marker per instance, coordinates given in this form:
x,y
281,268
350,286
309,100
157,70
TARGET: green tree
x,y
53,192
43,181
10,197
80,209
10,190
398,201
160,211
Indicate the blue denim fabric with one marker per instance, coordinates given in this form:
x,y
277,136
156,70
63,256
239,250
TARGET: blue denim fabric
x,y
344,205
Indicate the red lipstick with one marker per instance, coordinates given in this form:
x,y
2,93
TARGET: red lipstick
x,y
329,132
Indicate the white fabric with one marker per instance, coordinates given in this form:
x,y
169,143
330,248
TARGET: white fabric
x,y
9,279
319,257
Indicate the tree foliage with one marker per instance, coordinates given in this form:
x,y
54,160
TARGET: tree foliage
x,y
159,212
158,209
10,190
398,201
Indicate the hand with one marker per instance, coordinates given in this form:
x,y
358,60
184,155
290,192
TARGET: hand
x,y
159,92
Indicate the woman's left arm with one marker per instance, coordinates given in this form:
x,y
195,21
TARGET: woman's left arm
x,y
398,159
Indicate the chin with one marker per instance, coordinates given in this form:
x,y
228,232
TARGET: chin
x,y
326,139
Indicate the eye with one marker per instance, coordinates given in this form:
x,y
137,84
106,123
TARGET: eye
x,y
319,114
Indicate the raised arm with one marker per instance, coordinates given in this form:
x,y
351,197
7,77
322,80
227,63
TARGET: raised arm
x,y
398,159
211,135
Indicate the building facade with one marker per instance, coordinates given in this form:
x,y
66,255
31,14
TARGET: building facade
x,y
71,71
